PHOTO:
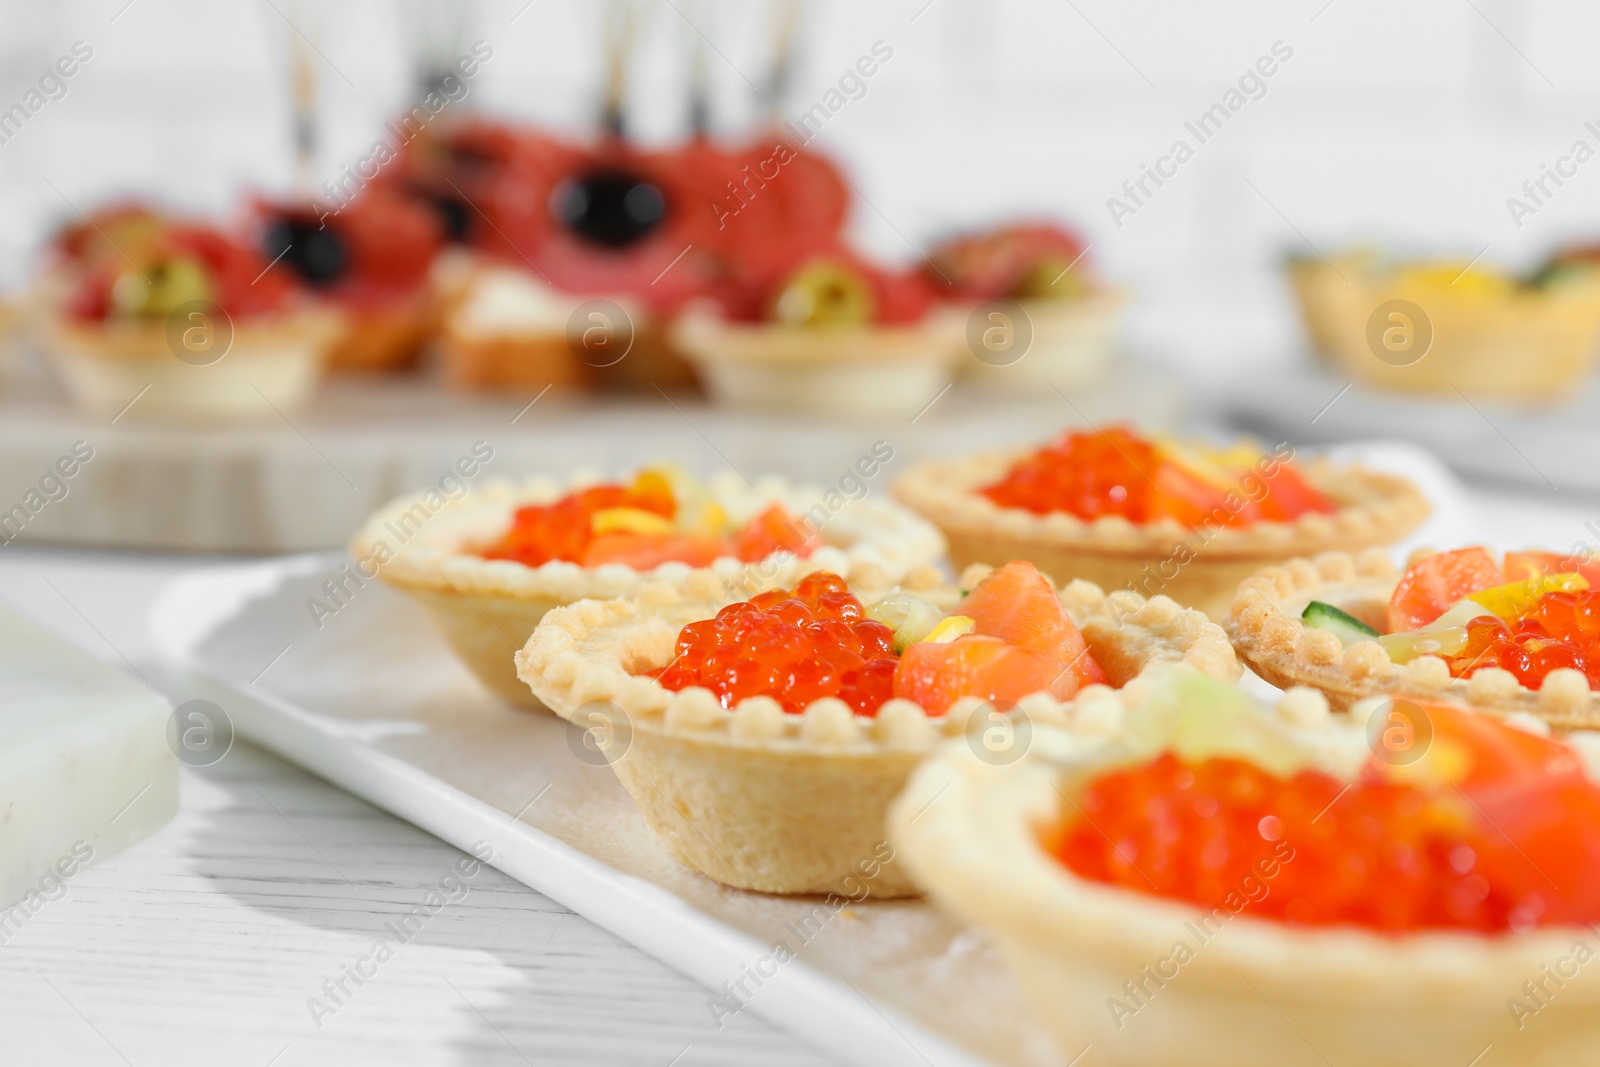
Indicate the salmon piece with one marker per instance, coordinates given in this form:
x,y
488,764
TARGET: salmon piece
x,y
936,674
1017,605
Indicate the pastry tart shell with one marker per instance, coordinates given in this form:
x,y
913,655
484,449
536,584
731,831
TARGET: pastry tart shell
x,y
1530,346
1265,627
1073,344
850,371
759,799
271,366
1198,567
424,545
1254,992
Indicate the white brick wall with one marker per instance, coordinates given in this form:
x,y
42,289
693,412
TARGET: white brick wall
x,y
1409,122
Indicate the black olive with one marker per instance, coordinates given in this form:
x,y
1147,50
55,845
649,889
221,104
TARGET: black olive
x,y
454,214
610,208
315,253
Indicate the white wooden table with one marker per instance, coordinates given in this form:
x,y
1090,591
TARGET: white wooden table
x,y
203,944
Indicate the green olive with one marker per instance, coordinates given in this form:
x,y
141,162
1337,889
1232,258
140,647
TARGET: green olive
x,y
825,293
1049,279
162,288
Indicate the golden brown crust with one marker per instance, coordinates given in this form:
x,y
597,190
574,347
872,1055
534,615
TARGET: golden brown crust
x,y
387,338
1268,634
1376,508
968,832
424,544
510,362
760,799
1198,568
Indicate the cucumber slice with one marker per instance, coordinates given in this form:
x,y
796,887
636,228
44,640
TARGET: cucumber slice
x,y
1346,627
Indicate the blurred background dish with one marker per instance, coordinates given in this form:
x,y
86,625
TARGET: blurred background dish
x,y
1453,327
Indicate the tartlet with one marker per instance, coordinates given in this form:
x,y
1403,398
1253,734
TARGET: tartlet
x,y
1196,562
1156,980
822,331
488,608
1041,268
759,798
188,322
271,369
1267,628
1479,331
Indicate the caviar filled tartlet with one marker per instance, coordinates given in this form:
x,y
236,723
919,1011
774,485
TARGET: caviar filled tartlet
x,y
488,565
1070,318
190,323
822,331
764,736
1156,516
369,258
1515,634
1216,886
1454,327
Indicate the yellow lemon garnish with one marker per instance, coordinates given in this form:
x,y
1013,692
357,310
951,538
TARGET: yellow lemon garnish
x,y
951,627
705,520
1219,466
1512,599
654,480
629,520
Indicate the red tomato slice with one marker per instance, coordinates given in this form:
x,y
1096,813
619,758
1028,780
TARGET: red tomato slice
x,y
1289,496
1520,566
1437,584
775,530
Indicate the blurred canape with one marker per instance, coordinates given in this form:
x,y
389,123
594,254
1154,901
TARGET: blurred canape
x,y
370,259
187,322
504,328
1447,327
822,330
1042,268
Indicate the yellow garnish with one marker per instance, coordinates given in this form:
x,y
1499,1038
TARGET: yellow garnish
x,y
706,520
655,480
1447,762
1473,281
1509,601
629,520
1219,466
951,627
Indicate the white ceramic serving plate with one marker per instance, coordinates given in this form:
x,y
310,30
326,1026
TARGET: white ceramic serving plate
x,y
375,703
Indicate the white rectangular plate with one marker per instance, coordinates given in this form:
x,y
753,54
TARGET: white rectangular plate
x,y
374,702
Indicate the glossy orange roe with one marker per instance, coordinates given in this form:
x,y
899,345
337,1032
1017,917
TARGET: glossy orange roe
x,y
564,530
1116,472
1483,855
796,646
1559,630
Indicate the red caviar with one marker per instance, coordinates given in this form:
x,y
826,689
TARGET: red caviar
x,y
1558,630
795,645
1117,472
1485,850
